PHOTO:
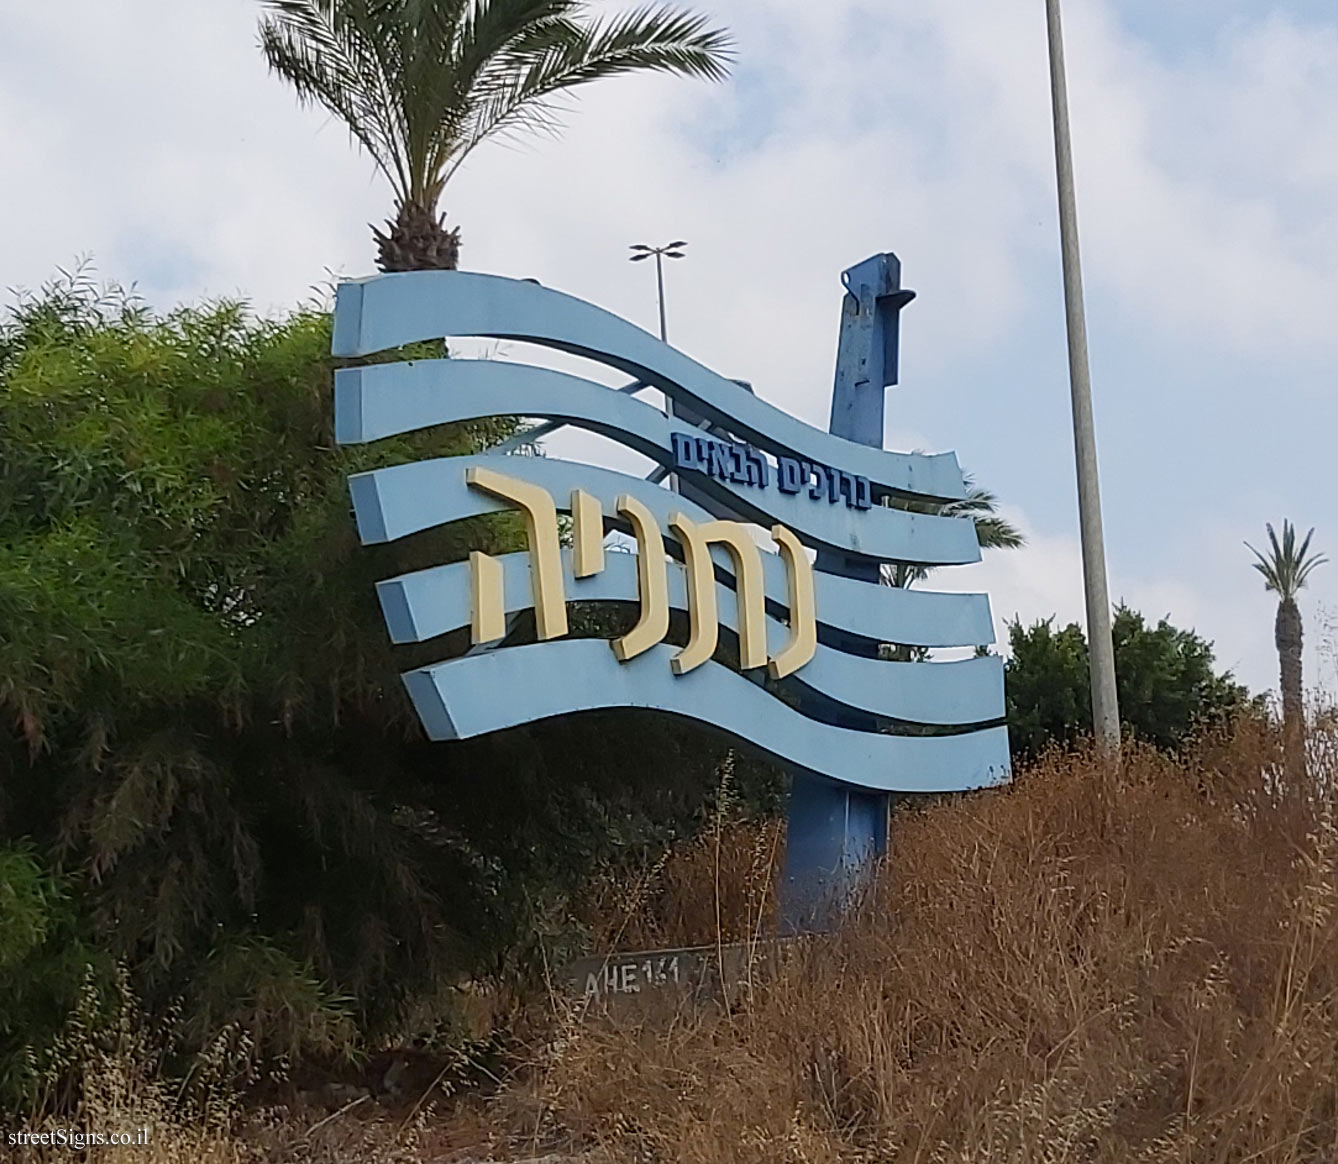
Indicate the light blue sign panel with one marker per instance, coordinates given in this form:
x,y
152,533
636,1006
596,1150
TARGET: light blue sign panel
x,y
850,726
404,499
388,399
428,603
390,311
483,693
881,614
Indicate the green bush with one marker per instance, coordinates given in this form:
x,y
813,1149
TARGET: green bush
x,y
205,738
1167,684
28,897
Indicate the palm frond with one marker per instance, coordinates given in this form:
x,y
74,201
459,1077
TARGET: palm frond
x,y
514,91
493,40
335,53
420,83
423,42
903,574
992,531
998,533
981,505
1286,567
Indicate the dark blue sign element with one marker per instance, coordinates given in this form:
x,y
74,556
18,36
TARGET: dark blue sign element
x,y
739,464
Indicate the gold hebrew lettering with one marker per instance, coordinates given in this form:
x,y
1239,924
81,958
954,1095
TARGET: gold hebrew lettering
x,y
587,534
803,606
541,530
703,616
750,594
652,582
488,617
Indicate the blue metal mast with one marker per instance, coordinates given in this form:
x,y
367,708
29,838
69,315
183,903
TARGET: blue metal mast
x,y
836,832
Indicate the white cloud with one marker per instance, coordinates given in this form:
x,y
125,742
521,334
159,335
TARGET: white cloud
x,y
148,133
1208,188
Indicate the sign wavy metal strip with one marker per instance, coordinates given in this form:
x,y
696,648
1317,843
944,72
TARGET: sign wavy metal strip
x,y
386,400
391,311
469,696
394,502
428,603
871,614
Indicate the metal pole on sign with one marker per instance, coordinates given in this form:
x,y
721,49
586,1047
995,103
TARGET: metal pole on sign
x,y
659,281
673,250
1105,704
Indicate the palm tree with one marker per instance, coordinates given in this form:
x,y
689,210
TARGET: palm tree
x,y
420,83
1285,568
992,531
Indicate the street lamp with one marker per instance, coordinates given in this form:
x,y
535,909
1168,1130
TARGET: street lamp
x,y
1105,705
673,250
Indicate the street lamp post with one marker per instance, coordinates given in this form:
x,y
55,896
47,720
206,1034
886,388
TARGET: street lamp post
x,y
1105,705
673,250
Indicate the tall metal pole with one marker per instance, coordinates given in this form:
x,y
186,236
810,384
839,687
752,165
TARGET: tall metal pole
x,y
673,250
1105,706
659,282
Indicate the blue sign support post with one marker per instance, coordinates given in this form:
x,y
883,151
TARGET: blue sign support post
x,y
835,831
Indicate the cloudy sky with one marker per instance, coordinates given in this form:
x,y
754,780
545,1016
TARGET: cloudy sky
x,y
147,134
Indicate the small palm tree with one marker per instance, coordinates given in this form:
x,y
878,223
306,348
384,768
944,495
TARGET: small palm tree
x,y
420,83
1285,568
992,531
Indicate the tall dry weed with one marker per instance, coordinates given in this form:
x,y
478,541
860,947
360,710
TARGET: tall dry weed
x,y
718,886
106,1076
1132,962
123,1077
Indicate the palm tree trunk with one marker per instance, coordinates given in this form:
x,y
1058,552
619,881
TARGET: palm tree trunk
x,y
1287,634
417,240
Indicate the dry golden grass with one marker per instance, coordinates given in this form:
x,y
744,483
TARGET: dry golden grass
x,y
720,885
105,1079
1101,963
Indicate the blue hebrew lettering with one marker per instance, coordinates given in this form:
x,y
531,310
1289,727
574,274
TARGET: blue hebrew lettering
x,y
848,487
738,464
721,461
685,451
833,485
788,475
757,469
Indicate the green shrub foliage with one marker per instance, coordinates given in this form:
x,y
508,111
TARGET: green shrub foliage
x,y
208,766
1166,681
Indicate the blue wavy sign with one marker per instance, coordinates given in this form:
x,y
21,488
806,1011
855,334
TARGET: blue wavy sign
x,y
806,685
